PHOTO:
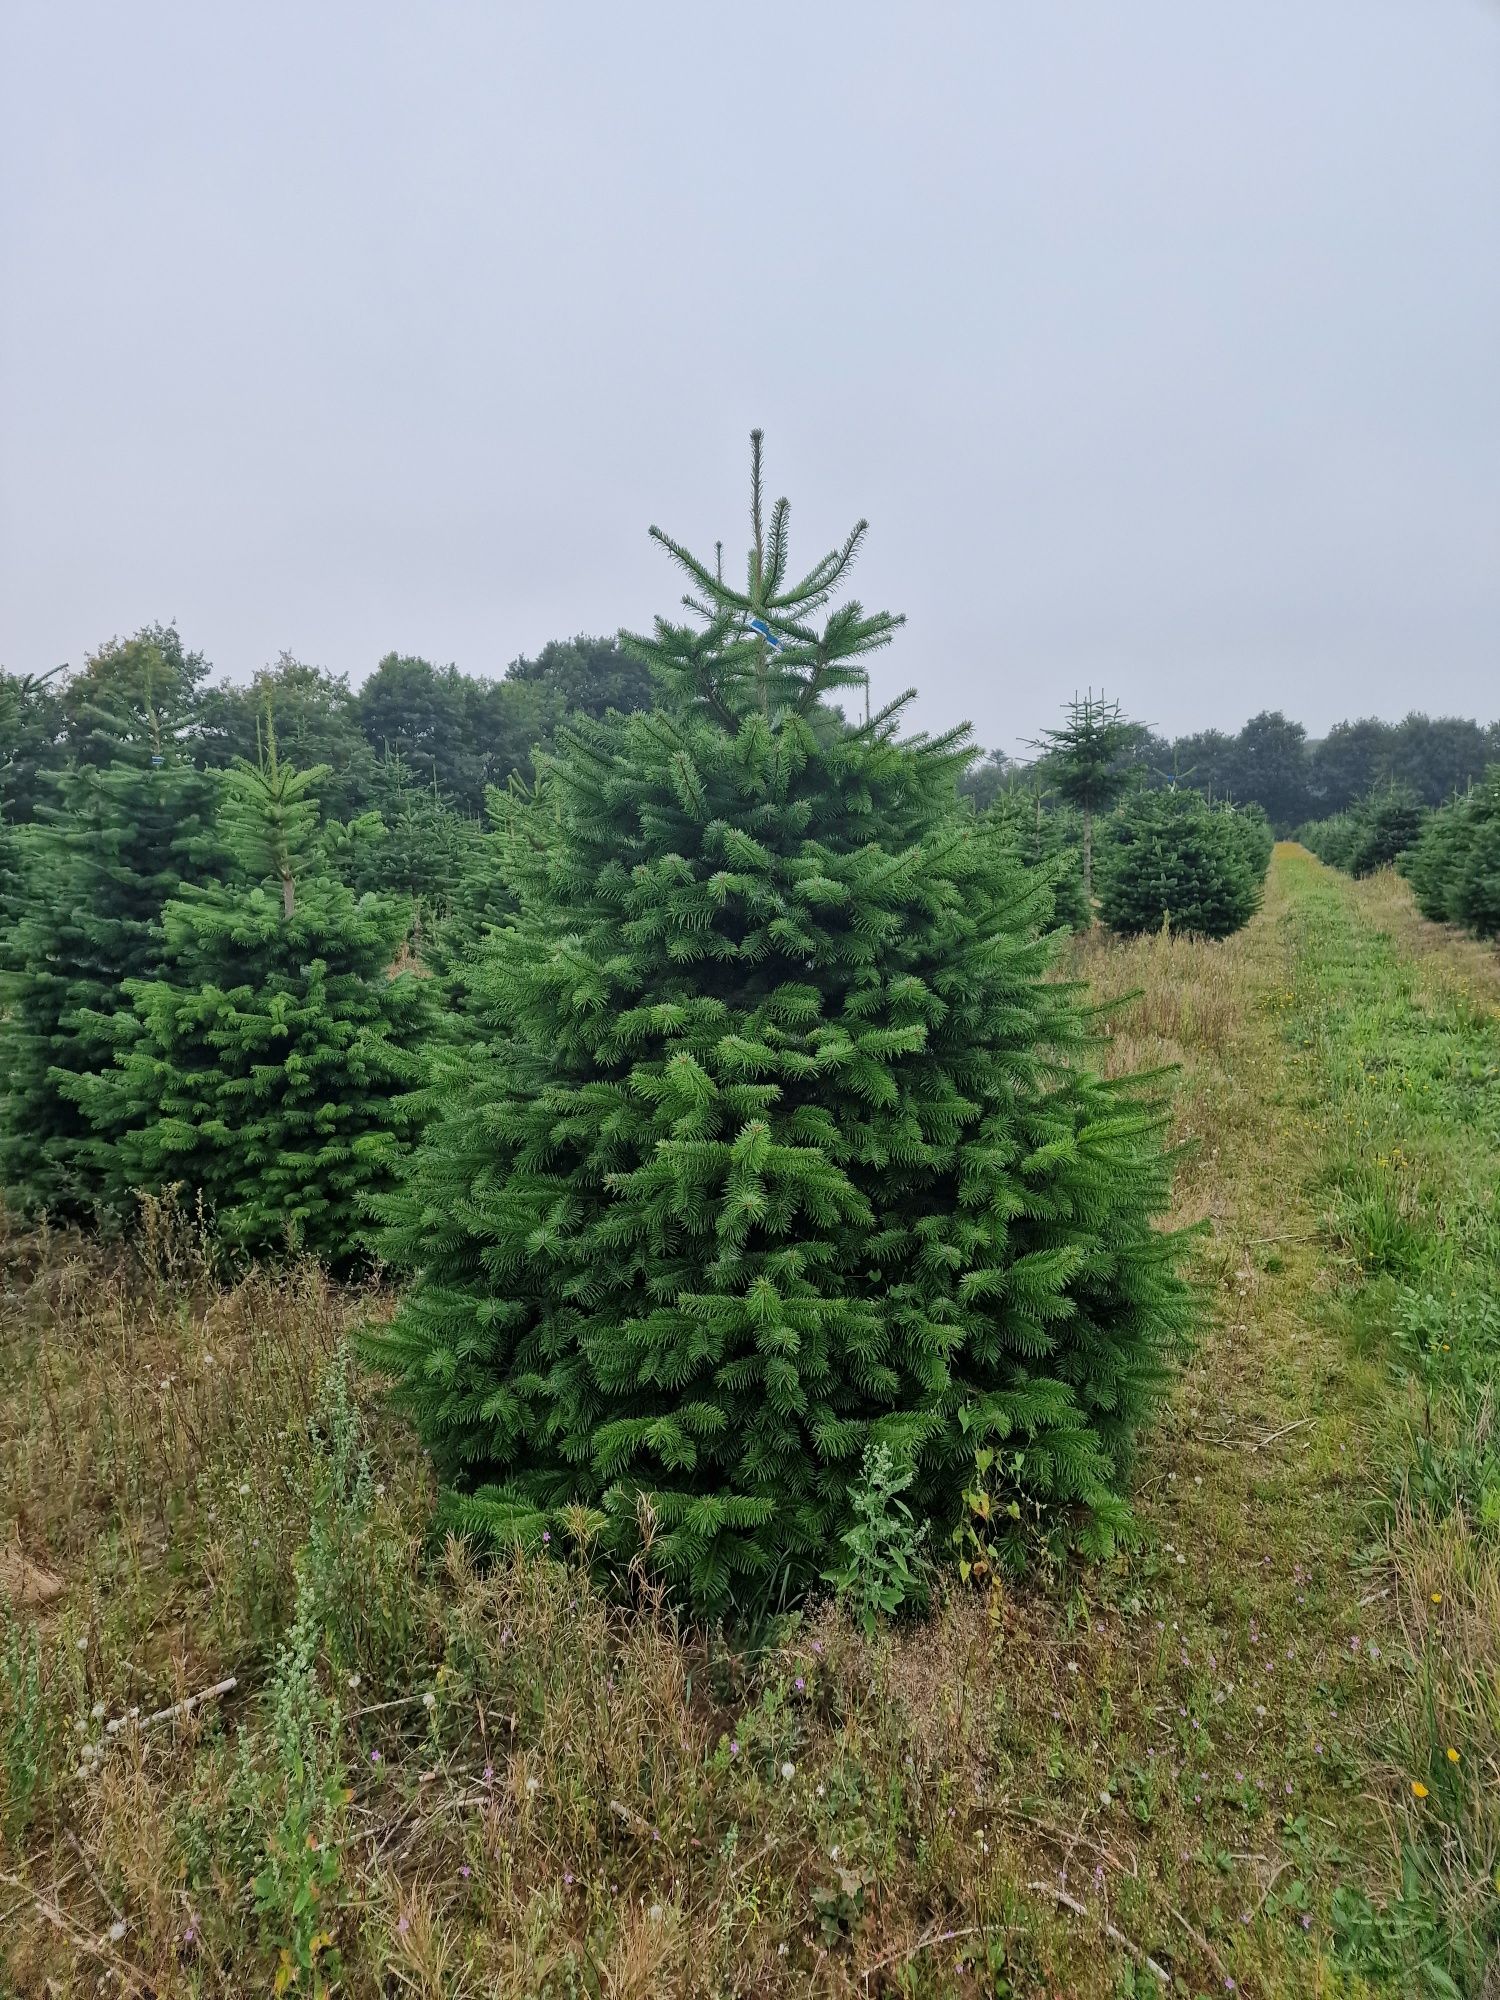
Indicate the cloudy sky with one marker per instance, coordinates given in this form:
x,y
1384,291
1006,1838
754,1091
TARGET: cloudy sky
x,y
1160,342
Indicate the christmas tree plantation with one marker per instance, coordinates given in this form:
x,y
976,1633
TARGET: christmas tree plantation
x,y
777,1145
269,1070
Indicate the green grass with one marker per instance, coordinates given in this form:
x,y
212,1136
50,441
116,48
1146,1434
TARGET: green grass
x,y
1201,1752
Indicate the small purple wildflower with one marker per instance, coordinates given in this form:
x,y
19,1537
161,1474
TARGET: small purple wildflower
x,y
734,1748
403,1925
799,1684
466,1871
546,1534
374,1756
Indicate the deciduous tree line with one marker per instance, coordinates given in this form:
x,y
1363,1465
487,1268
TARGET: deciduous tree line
x,y
1273,763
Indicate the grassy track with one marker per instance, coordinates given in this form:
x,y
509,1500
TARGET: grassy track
x,y
1198,1758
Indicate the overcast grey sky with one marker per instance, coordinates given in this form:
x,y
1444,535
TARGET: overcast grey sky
x,y
1159,340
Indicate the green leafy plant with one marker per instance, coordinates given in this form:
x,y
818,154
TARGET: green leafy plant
x,y
294,1797
355,1568
883,1571
25,1726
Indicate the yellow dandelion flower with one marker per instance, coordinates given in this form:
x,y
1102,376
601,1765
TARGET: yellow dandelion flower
x,y
1419,1790
1437,1597
1452,1754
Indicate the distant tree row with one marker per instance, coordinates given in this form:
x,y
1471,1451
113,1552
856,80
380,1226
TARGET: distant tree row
x,y
453,733
1274,764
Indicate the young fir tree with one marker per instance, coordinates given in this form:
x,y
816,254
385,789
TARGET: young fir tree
x,y
1386,823
1255,836
779,1146
1474,897
1435,861
410,842
1171,858
1431,863
99,863
1087,763
273,1059
1051,841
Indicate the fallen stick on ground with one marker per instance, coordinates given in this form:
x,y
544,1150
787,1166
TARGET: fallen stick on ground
x,y
927,1943
1118,1937
1285,1431
176,1708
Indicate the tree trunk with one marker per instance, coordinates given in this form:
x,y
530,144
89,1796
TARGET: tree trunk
x,y
1088,862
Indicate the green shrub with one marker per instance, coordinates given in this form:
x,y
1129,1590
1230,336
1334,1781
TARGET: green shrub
x,y
779,1146
1171,858
289,1798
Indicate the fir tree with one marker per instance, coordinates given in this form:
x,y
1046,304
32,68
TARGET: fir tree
x,y
1386,824
1434,862
1088,763
1255,836
1171,858
273,1056
778,1145
1371,834
1051,841
410,842
100,862
1474,897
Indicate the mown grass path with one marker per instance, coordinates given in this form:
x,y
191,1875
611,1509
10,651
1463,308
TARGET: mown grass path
x,y
1346,1118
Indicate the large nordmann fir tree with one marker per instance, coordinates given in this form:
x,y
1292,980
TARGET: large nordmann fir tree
x,y
271,1064
775,1147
